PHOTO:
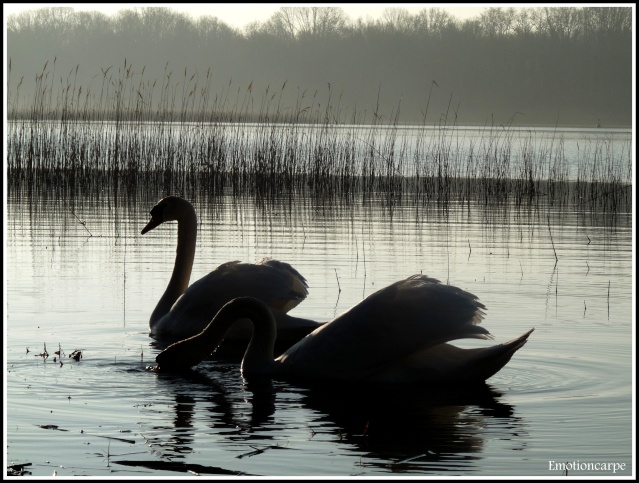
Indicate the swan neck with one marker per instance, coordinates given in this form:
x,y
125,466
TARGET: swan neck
x,y
184,257
185,253
258,358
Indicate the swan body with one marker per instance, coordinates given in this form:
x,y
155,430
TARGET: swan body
x,y
185,310
398,334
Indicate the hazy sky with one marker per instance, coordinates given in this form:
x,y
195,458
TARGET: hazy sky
x,y
240,14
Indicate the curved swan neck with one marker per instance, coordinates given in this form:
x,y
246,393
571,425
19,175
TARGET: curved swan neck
x,y
184,256
258,358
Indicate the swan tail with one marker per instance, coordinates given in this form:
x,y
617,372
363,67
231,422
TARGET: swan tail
x,y
447,364
481,364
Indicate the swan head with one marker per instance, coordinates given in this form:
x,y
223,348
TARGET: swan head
x,y
171,208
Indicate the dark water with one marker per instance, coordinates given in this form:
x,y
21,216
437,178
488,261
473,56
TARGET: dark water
x,y
80,277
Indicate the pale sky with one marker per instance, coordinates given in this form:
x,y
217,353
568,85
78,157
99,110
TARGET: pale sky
x,y
240,14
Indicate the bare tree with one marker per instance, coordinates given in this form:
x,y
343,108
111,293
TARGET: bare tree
x,y
314,22
522,23
498,22
562,22
439,21
397,18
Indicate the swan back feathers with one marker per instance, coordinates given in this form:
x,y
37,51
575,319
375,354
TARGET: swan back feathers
x,y
390,324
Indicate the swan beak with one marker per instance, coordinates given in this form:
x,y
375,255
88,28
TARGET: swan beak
x,y
150,225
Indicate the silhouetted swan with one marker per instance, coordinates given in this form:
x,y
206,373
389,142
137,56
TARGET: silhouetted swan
x,y
182,312
397,334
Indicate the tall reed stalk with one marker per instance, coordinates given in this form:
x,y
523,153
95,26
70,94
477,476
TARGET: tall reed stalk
x,y
177,131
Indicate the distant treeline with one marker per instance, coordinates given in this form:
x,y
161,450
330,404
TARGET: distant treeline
x,y
538,65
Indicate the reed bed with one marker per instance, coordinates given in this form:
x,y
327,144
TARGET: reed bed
x,y
178,134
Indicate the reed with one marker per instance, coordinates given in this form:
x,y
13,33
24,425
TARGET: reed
x,y
178,133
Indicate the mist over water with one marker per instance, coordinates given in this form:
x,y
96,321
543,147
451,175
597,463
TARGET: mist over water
x,y
538,66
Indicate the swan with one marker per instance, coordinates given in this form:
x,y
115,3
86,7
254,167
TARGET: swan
x,y
185,310
398,334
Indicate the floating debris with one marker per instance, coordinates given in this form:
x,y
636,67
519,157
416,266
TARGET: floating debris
x,y
51,426
44,354
76,354
18,469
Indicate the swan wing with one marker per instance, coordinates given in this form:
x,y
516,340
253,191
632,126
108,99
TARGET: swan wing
x,y
276,283
389,325
292,287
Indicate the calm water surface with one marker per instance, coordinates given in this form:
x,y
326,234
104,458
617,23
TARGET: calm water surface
x,y
79,276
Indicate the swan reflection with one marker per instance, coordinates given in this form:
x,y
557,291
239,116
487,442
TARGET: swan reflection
x,y
424,428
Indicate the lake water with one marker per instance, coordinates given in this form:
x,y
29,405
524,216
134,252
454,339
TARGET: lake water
x,y
80,277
